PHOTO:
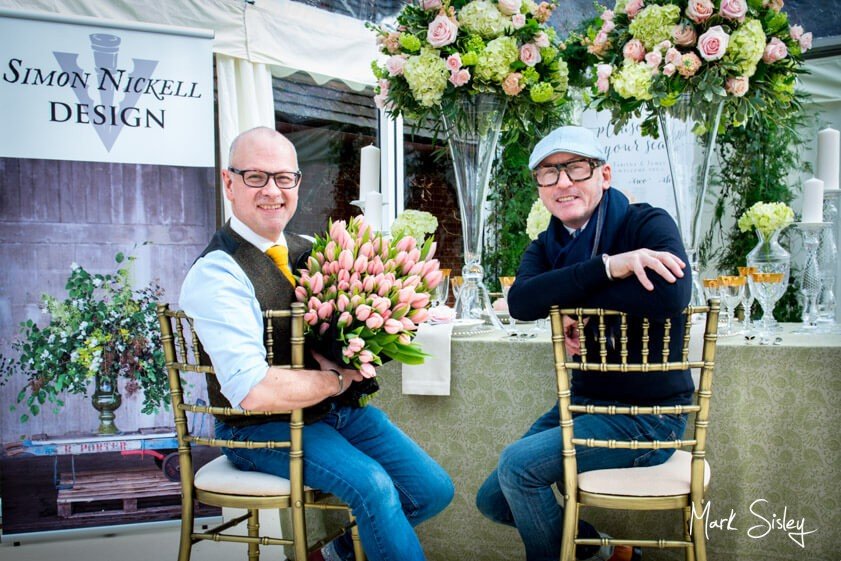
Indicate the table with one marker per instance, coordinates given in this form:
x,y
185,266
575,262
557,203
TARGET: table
x,y
774,445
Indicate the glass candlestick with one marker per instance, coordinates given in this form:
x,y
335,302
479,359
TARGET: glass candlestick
x,y
828,259
810,282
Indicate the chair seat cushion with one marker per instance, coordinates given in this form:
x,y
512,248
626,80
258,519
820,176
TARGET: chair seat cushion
x,y
221,476
669,478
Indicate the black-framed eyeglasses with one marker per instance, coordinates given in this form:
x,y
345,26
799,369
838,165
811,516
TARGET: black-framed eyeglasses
x,y
576,170
258,179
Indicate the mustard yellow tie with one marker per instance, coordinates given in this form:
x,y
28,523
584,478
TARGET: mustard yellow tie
x,y
280,255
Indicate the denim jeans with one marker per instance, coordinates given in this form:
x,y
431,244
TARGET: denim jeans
x,y
362,458
518,492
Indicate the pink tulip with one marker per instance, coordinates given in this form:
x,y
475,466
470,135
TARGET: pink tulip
x,y
393,326
355,286
416,268
367,370
311,317
314,303
400,258
325,310
314,263
355,300
367,249
300,294
368,284
330,250
381,304
366,356
405,294
433,247
408,324
317,283
361,264
342,302
337,228
412,281
346,259
348,353
345,319
399,311
431,265
406,244
356,344
419,315
344,286
433,278
420,300
377,268
323,329
385,287
319,257
363,312
404,339
374,321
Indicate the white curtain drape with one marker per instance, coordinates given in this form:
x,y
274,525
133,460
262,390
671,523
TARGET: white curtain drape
x,y
245,102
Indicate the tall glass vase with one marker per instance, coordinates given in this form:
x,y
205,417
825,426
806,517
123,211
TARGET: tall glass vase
x,y
689,156
472,133
768,257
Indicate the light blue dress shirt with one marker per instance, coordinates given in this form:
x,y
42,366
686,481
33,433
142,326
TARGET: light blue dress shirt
x,y
220,298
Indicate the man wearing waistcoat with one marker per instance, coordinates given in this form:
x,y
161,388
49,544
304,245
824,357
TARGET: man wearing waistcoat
x,y
599,251
350,450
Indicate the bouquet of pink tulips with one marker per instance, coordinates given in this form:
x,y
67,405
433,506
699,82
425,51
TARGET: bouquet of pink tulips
x,y
366,295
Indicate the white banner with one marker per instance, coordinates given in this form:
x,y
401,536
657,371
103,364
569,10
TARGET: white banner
x,y
82,89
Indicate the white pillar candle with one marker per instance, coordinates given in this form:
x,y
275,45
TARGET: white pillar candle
x,y
812,200
374,210
369,171
829,155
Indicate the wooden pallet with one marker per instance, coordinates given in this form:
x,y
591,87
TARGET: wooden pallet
x,y
109,493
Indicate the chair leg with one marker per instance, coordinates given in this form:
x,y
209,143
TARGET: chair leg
x,y
185,544
570,530
698,537
687,523
254,532
358,552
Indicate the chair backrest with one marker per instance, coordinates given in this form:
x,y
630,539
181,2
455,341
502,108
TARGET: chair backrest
x,y
183,349
613,348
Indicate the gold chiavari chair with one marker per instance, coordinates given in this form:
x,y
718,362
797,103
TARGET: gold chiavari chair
x,y
219,483
678,484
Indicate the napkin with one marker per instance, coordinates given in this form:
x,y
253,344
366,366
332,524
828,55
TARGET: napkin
x,y
433,376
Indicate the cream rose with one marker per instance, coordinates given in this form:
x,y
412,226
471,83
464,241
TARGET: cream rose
x,y
454,62
634,50
699,11
737,85
796,31
530,54
733,9
713,44
669,69
518,21
775,50
805,41
509,7
511,84
395,65
684,35
541,39
653,59
442,31
430,4
673,56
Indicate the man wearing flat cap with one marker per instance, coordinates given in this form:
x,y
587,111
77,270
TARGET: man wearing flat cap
x,y
599,251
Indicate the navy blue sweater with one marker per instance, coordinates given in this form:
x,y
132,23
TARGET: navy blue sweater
x,y
539,286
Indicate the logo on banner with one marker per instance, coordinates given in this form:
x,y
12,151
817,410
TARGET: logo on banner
x,y
107,117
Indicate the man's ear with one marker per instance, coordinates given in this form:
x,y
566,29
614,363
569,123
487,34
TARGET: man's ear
x,y
227,181
607,174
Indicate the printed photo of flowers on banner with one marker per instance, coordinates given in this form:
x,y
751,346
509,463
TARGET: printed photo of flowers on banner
x,y
443,49
647,53
366,295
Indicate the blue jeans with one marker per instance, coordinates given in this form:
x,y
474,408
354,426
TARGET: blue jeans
x,y
362,458
518,492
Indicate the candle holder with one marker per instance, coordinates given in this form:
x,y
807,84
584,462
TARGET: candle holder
x,y
828,259
810,282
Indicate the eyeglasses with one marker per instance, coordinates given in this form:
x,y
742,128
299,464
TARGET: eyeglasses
x,y
258,179
576,170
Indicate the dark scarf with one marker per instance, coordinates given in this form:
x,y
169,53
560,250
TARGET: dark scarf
x,y
562,249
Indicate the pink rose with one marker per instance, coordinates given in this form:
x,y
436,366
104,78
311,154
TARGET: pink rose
x,y
460,77
796,31
453,62
633,7
634,50
713,44
663,46
604,70
733,9
511,84
669,69
673,57
607,15
737,85
684,35
608,26
509,7
430,4
395,65
775,5
442,31
518,21
699,11
541,39
653,59
775,50
602,84
689,65
805,41
530,54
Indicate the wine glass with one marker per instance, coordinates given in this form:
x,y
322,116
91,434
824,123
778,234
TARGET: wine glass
x,y
731,289
456,283
711,288
442,291
767,288
747,298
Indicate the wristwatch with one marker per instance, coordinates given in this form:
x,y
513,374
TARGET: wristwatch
x,y
606,261
341,379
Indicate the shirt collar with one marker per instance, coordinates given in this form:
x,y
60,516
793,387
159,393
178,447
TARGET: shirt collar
x,y
572,230
253,238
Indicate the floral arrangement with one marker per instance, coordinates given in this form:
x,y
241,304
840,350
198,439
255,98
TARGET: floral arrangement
x,y
103,327
444,49
415,223
646,54
368,294
538,219
766,217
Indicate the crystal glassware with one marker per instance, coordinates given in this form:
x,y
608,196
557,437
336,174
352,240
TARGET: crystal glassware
x,y
442,291
456,283
711,287
770,257
731,289
747,299
810,281
505,283
768,288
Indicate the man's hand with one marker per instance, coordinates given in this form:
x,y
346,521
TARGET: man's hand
x,y
572,338
665,264
350,375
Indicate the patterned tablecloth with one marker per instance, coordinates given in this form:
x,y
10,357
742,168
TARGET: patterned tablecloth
x,y
774,446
